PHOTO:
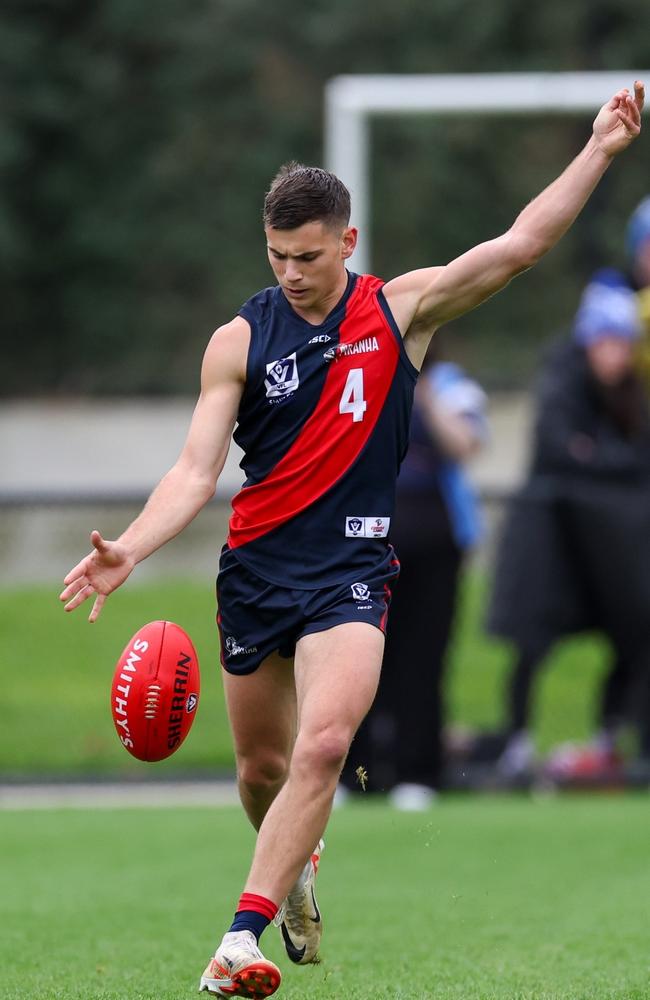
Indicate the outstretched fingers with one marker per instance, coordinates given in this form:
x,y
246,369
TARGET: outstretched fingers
x,y
623,96
80,581
629,114
97,607
639,95
616,99
76,593
75,573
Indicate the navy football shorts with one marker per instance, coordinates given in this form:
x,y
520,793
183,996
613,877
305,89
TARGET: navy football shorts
x,y
257,618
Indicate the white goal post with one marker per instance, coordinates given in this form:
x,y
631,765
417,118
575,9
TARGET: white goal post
x,y
350,101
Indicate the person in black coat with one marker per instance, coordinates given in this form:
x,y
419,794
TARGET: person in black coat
x,y
399,746
575,549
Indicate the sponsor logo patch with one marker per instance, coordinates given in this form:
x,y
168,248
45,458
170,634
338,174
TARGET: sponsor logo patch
x,y
366,527
363,346
320,338
282,377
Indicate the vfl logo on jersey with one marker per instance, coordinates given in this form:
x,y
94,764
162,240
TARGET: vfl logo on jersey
x,y
363,346
360,591
366,527
282,377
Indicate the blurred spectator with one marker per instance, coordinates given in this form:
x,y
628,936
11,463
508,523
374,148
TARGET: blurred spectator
x,y
637,245
575,549
436,521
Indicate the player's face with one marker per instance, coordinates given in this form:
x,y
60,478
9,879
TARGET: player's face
x,y
610,359
309,263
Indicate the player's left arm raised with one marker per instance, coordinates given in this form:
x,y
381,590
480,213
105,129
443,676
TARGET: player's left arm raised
x,y
425,299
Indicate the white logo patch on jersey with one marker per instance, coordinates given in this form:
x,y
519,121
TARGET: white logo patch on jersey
x,y
366,527
377,527
282,377
320,338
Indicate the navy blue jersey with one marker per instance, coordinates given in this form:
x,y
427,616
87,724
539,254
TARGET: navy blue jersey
x,y
323,423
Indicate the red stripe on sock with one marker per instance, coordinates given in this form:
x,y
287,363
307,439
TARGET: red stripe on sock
x,y
257,904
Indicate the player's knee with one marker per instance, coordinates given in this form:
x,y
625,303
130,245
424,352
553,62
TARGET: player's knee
x,y
259,774
324,751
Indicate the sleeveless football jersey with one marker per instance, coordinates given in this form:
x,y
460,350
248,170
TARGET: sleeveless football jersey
x,y
323,423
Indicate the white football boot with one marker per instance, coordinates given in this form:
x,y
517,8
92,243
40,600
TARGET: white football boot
x,y
239,969
299,918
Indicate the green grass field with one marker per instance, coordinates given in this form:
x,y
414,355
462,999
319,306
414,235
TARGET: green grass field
x,y
482,899
59,668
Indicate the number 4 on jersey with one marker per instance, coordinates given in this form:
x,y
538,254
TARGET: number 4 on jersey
x,y
352,400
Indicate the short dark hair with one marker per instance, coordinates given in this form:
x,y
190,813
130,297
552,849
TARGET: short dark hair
x,y
300,194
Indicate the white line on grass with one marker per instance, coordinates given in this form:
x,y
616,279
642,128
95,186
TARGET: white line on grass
x,y
118,795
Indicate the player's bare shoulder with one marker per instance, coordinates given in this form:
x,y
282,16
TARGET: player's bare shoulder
x,y
226,355
405,292
404,296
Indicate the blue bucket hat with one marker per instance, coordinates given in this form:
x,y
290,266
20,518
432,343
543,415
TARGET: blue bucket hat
x,y
638,228
608,307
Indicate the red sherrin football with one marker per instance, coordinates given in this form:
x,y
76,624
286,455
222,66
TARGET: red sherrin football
x,y
155,691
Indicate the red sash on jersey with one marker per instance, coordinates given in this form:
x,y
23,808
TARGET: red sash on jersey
x,y
330,441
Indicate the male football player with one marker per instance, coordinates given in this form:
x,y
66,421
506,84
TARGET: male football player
x,y
317,374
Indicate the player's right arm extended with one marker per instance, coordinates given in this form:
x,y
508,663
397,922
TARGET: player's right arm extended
x,y
188,485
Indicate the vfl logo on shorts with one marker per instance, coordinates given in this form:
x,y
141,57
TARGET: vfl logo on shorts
x,y
282,377
360,591
366,527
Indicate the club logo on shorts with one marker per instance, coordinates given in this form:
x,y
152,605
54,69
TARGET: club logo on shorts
x,y
360,591
191,703
282,378
233,647
366,527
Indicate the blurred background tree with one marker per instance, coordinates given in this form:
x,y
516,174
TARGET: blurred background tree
x,y
136,142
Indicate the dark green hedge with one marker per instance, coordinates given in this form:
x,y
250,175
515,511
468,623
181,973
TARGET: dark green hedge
x,y
136,141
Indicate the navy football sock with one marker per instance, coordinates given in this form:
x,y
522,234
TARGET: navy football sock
x,y
254,914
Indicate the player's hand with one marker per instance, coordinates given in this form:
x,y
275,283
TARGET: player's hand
x,y
99,573
618,122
